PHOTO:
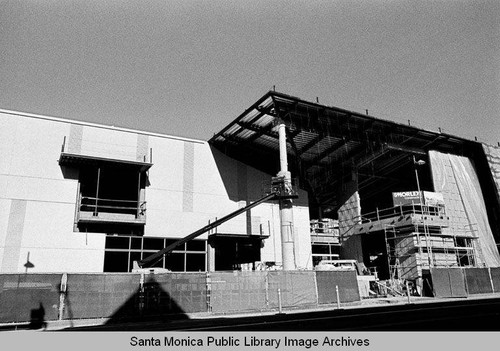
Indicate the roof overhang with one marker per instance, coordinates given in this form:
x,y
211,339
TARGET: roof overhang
x,y
76,160
326,144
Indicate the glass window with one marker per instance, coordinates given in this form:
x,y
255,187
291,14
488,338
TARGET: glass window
x,y
196,245
175,262
153,244
116,261
195,262
320,249
117,242
181,247
136,243
134,256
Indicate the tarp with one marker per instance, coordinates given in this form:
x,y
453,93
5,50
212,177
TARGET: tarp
x,y
346,282
448,282
298,288
478,281
237,291
114,295
29,297
455,177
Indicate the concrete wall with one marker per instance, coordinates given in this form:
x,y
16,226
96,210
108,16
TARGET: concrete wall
x,y
190,185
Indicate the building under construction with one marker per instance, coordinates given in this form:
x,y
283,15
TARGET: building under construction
x,y
396,198
81,197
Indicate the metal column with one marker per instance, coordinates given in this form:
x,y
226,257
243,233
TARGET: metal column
x,y
286,212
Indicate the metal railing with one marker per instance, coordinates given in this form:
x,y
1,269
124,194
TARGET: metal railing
x,y
96,205
402,211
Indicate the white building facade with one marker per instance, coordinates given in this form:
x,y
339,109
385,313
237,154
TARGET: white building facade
x,y
81,197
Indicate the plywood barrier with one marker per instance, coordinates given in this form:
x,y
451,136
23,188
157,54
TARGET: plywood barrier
x,y
448,282
345,280
237,291
478,280
297,288
30,298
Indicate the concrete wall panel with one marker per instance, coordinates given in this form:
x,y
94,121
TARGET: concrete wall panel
x,y
109,143
36,148
39,189
167,170
4,219
63,259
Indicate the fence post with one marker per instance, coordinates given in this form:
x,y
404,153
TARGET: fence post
x,y
338,296
316,286
141,294
62,294
279,301
491,280
408,291
208,286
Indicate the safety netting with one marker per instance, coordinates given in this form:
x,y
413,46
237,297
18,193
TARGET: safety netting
x,y
237,291
114,295
329,281
297,288
478,280
448,282
29,297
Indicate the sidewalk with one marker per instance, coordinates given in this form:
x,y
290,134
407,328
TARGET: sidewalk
x,y
374,302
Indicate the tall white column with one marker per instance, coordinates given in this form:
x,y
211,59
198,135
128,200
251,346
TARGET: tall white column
x,y
286,212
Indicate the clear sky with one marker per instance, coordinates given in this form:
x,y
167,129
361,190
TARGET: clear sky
x,y
188,67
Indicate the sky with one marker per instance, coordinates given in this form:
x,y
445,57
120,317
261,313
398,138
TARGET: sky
x,y
190,67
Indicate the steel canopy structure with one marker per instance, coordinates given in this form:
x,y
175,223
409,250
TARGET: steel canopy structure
x,y
328,147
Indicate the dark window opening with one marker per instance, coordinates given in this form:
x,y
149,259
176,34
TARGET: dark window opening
x,y
175,262
115,261
122,251
195,262
231,253
117,242
111,200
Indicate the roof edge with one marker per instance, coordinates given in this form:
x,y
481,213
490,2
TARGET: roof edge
x,y
96,125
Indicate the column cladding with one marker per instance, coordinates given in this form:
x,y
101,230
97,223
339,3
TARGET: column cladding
x,y
188,177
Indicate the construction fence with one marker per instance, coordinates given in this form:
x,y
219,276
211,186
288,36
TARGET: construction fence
x,y
462,282
35,298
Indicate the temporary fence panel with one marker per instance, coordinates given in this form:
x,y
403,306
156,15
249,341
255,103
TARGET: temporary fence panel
x,y
345,280
478,280
237,291
29,298
114,295
296,288
495,277
448,282
176,293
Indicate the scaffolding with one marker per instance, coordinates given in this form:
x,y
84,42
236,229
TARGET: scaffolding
x,y
421,244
